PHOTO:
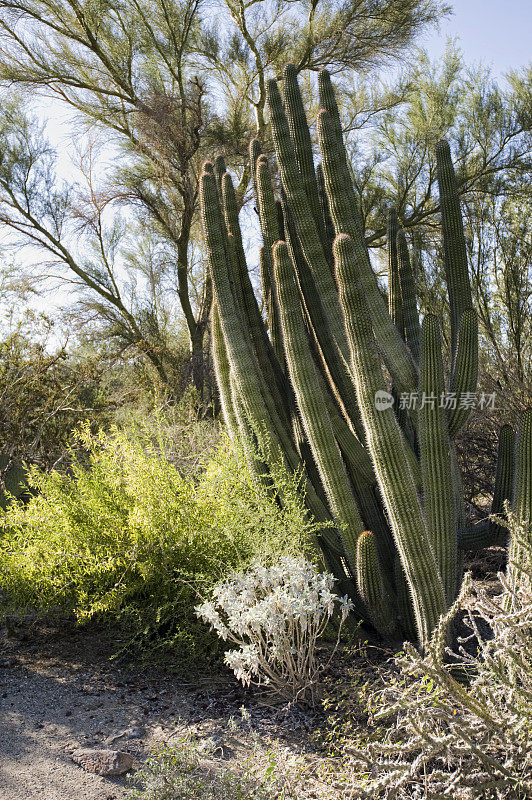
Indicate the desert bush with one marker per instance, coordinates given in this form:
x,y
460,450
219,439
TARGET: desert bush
x,y
276,615
45,391
463,732
125,536
193,769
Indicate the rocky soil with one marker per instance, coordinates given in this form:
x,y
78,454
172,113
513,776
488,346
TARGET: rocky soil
x,y
60,693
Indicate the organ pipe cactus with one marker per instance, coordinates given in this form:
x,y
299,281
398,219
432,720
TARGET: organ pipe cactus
x,y
317,386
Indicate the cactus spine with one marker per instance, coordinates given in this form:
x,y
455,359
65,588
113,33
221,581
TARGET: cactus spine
x,y
386,481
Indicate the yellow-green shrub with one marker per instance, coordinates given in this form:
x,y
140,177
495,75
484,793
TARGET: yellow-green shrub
x,y
126,536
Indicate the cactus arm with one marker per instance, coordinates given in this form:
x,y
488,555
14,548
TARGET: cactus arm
x,y
325,213
268,216
300,135
219,170
374,519
465,372
327,100
354,452
222,372
312,406
259,405
272,307
408,293
387,450
335,369
258,468
373,588
522,495
266,205
267,359
255,151
260,409
435,450
342,201
504,479
303,220
454,246
395,300
266,286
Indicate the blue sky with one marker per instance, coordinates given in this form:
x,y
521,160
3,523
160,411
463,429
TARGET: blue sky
x,y
496,32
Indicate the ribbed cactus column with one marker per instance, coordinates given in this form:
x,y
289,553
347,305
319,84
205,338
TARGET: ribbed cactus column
x,y
465,370
222,372
300,135
343,201
409,297
303,220
395,300
312,406
436,467
522,498
335,367
390,482
504,482
375,593
454,247
325,212
251,387
388,450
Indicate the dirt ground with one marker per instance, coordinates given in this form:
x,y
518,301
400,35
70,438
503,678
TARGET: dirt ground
x,y
59,692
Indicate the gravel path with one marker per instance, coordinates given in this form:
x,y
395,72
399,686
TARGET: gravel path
x,y
59,693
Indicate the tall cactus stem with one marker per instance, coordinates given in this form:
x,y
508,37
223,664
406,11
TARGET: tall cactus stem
x,y
522,500
312,406
325,212
435,448
222,372
303,219
387,450
373,588
343,203
465,373
395,300
300,134
409,297
454,246
504,480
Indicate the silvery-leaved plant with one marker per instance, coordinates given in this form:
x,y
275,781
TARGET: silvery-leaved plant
x,y
275,615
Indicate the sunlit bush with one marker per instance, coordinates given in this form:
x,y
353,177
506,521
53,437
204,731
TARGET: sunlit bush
x,y
126,536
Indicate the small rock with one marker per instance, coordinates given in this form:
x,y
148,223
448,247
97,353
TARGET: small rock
x,y
103,762
135,733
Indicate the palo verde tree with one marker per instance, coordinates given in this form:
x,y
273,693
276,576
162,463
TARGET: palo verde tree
x,y
165,81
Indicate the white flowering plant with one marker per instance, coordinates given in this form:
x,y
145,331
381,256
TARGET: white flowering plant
x,y
276,615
